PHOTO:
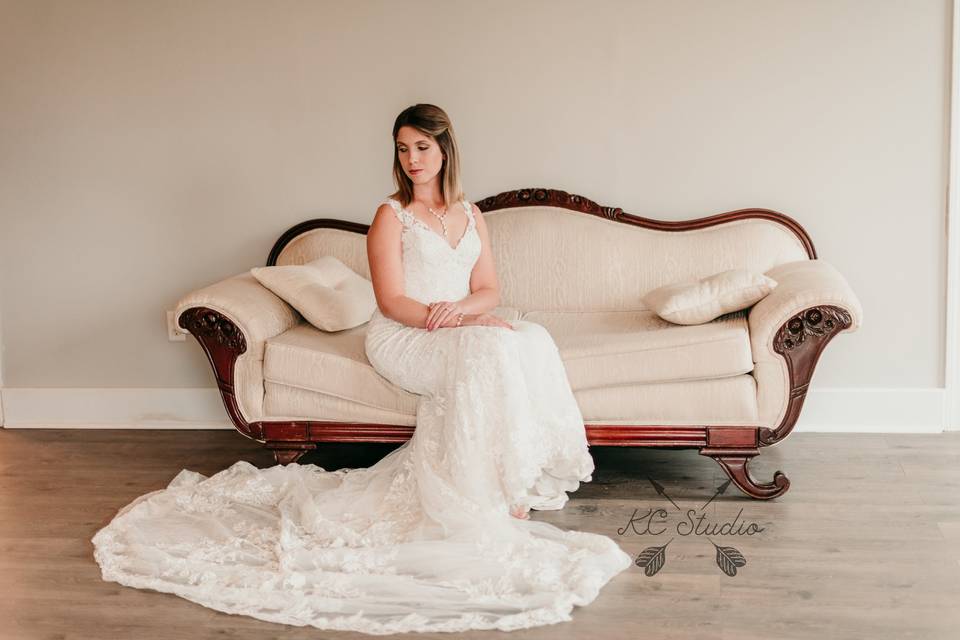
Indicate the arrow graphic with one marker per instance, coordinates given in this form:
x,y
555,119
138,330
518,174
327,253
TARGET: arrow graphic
x,y
659,488
720,490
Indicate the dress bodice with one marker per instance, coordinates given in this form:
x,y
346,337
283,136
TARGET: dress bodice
x,y
432,268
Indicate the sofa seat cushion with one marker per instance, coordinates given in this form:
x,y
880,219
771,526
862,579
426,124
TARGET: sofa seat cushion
x,y
621,355
730,401
608,348
283,402
722,401
334,364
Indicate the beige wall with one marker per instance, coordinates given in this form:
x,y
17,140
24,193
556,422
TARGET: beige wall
x,y
149,148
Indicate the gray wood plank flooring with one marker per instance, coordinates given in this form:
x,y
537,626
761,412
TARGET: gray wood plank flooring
x,y
865,544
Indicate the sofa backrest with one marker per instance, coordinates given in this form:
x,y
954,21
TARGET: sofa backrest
x,y
574,261
557,259
350,247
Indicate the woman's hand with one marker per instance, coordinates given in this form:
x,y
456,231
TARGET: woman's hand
x,y
443,313
486,320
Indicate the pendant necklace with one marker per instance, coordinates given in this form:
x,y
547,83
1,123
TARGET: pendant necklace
x,y
440,217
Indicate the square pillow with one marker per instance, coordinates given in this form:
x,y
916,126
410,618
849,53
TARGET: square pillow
x,y
694,301
328,294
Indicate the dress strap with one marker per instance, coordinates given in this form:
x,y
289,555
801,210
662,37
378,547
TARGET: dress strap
x,y
398,211
469,211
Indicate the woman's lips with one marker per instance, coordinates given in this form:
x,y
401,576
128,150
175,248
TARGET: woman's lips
x,y
415,170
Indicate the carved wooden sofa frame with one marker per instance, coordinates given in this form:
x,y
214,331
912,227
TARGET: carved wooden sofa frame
x,y
799,341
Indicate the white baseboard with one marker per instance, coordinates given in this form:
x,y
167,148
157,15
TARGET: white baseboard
x,y
874,410
824,410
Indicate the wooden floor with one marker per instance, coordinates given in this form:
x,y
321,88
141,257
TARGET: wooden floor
x,y
865,544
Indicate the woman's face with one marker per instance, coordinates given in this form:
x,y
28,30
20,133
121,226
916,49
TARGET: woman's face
x,y
419,154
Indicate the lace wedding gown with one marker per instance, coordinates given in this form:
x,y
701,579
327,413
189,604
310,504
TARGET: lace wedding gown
x,y
422,540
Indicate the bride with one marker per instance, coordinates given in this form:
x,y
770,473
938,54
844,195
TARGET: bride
x,y
436,536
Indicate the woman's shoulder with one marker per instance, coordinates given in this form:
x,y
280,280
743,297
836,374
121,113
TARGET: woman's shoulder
x,y
390,202
390,207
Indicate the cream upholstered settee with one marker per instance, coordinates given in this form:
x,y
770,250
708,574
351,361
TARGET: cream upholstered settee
x,y
728,387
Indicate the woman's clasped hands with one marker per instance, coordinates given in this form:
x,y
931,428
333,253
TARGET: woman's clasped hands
x,y
444,313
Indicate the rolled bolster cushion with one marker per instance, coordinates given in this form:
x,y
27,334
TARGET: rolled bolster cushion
x,y
801,284
256,311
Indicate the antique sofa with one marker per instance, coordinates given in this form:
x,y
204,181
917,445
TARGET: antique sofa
x,y
728,387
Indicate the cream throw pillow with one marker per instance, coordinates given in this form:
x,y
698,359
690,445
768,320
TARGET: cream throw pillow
x,y
329,294
695,301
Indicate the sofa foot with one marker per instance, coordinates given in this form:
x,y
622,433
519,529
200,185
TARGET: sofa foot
x,y
734,463
285,454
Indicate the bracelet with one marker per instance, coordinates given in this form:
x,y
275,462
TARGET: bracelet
x,y
459,318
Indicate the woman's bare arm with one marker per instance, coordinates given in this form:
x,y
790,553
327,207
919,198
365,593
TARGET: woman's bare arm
x,y
386,270
484,288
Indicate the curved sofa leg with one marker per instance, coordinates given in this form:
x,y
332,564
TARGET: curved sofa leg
x,y
287,453
734,463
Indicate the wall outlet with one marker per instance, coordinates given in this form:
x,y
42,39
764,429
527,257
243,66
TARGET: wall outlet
x,y
174,333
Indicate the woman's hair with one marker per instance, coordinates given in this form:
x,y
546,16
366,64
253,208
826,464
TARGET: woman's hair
x,y
433,121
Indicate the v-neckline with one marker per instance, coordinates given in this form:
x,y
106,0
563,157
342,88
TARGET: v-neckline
x,y
434,233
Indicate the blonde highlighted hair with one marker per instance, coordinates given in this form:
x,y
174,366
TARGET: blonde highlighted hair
x,y
433,121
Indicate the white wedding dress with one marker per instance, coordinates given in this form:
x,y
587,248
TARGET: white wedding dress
x,y
422,540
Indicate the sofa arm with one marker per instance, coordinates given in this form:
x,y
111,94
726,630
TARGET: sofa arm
x,y
232,319
800,285
811,303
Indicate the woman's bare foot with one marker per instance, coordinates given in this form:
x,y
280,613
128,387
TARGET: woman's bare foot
x,y
518,511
